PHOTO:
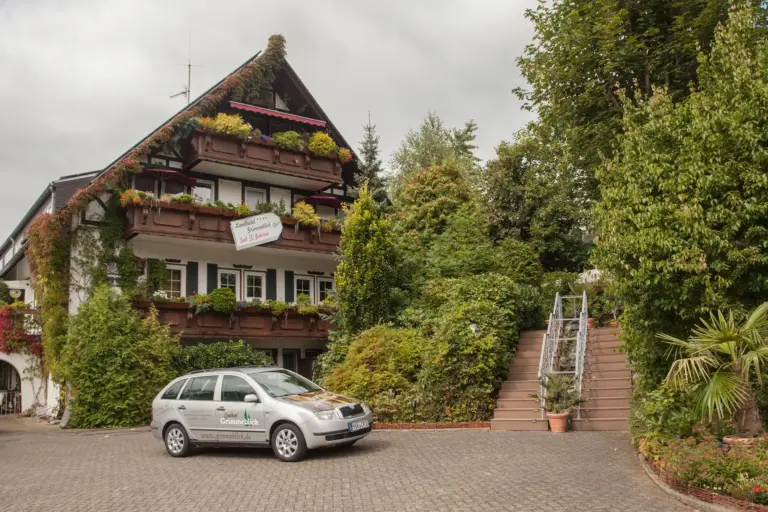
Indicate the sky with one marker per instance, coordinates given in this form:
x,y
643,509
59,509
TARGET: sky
x,y
82,81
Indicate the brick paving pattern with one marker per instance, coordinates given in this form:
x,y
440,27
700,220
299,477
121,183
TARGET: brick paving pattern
x,y
43,468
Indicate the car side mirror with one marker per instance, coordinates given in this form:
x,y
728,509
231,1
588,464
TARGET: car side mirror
x,y
251,398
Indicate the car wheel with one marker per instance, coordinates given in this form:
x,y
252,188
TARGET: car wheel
x,y
288,443
176,441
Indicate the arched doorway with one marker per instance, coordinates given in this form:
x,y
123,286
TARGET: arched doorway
x,y
10,390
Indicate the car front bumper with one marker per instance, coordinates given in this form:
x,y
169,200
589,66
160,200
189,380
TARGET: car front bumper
x,y
320,433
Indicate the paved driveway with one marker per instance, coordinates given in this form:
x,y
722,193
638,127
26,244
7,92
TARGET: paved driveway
x,y
43,468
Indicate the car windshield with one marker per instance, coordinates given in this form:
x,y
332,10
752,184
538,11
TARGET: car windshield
x,y
282,383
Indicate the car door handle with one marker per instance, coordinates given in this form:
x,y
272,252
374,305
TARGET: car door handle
x,y
221,409
182,407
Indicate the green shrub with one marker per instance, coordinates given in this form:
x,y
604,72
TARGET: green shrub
x,y
220,354
380,359
183,199
225,124
553,283
290,140
305,214
321,144
517,260
223,300
115,361
661,414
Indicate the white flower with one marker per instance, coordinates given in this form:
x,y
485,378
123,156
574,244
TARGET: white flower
x,y
160,294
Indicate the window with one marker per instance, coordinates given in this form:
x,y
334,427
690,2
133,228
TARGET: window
x,y
230,279
203,191
234,389
144,183
304,286
324,288
254,196
254,286
174,282
172,392
200,388
173,188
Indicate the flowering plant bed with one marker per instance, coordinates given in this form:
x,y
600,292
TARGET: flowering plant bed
x,y
713,472
431,426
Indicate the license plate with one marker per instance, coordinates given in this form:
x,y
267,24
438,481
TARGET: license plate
x,y
359,425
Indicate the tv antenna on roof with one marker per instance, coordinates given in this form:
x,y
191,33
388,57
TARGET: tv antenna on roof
x,y
187,88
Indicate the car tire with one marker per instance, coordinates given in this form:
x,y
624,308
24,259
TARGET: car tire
x,y
288,443
176,441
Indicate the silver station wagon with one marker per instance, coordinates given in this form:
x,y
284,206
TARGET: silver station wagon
x,y
255,406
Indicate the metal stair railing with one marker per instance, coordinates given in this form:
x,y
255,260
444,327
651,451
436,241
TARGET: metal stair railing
x,y
555,349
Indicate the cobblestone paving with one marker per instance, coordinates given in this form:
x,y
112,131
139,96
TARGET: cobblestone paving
x,y
46,469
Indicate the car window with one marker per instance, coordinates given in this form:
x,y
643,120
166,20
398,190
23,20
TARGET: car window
x,y
200,388
172,392
234,389
282,383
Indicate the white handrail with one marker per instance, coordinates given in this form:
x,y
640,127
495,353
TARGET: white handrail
x,y
550,345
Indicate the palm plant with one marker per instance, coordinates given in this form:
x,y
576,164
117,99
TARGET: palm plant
x,y
722,361
561,394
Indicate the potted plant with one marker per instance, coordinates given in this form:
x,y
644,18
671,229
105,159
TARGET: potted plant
x,y
559,399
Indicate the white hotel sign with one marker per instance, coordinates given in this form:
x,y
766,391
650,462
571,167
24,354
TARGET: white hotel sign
x,y
256,230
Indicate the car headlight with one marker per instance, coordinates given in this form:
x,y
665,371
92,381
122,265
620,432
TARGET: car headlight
x,y
326,415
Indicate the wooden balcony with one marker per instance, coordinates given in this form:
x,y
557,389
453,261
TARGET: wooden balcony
x,y
249,323
222,155
211,224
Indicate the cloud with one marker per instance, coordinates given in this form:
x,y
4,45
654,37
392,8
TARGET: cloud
x,y
83,81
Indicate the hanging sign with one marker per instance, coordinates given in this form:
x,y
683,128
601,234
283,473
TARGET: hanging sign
x,y
256,230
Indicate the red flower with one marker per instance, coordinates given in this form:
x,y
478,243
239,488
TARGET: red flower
x,y
758,490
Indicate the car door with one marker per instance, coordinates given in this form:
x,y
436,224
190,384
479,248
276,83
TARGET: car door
x,y
197,408
239,421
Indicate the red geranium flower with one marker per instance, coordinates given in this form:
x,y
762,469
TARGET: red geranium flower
x,y
758,490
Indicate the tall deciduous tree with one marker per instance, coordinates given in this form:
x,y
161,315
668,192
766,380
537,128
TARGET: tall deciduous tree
x,y
684,216
533,195
433,144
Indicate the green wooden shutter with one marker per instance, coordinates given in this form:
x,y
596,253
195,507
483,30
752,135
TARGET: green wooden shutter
x,y
191,277
153,281
289,286
213,277
271,284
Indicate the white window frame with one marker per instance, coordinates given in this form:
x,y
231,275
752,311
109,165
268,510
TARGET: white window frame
x,y
211,184
183,287
263,276
254,189
236,273
321,279
311,280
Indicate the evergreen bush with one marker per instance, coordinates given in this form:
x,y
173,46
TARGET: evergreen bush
x,y
220,354
223,300
115,361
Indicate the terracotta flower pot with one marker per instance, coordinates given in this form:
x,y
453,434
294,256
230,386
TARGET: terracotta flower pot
x,y
590,323
558,421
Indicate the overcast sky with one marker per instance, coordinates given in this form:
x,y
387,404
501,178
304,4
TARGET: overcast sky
x,y
81,81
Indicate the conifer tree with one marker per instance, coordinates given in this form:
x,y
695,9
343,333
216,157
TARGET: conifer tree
x,y
370,169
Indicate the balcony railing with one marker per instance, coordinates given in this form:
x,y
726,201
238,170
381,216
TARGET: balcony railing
x,y
206,147
247,323
211,224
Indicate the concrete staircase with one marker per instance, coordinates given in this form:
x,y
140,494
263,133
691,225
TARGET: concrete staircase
x,y
607,385
515,409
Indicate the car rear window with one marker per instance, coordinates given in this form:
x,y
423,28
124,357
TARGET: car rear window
x,y
172,392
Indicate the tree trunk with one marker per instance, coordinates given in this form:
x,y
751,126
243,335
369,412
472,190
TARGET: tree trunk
x,y
748,417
